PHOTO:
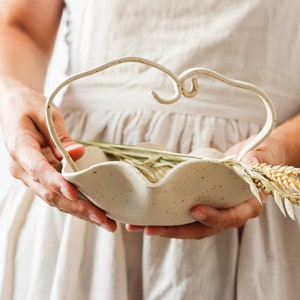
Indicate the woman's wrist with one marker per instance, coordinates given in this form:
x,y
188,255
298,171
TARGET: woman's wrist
x,y
287,136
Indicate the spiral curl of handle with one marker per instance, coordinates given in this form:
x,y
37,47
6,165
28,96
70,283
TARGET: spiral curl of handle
x,y
269,106
180,90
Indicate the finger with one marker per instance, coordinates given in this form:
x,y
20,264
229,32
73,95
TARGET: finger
x,y
226,218
31,181
190,231
75,150
50,157
133,228
80,208
86,210
253,156
28,155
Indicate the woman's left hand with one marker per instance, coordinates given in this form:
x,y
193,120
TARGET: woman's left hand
x,y
210,221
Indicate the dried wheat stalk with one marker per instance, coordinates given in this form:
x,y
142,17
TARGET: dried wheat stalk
x,y
282,182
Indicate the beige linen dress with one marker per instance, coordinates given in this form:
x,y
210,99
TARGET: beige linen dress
x,y
46,254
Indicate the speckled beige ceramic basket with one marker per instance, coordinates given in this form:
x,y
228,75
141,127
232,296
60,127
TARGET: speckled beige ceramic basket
x,y
128,197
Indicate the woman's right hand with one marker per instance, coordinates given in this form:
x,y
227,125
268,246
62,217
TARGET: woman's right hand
x,y
34,157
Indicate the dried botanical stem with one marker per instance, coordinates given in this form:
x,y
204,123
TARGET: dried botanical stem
x,y
284,175
282,182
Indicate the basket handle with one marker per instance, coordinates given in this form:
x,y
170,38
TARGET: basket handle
x,y
269,106
180,90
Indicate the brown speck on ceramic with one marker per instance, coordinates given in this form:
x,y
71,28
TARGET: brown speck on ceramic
x,y
194,181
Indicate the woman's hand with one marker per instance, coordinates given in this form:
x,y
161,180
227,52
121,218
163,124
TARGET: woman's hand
x,y
210,220
25,53
34,157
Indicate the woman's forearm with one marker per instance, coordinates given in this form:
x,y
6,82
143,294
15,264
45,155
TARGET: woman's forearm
x,y
288,134
21,59
27,34
282,147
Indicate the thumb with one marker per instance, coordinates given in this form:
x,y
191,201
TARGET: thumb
x,y
75,150
252,156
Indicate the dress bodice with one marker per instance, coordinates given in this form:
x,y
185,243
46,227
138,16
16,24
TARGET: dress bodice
x,y
255,41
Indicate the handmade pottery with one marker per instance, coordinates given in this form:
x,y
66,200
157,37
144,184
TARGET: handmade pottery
x,y
128,197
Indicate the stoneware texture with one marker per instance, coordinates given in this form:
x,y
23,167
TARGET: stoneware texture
x,y
127,196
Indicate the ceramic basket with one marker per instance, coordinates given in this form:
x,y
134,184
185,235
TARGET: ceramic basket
x,y
128,197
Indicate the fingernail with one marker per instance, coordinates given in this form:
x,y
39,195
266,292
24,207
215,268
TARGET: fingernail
x,y
251,159
133,228
73,146
108,227
95,219
200,216
99,222
254,159
66,194
151,231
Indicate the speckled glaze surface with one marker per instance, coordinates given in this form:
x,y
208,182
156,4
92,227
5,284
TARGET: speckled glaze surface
x,y
127,196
